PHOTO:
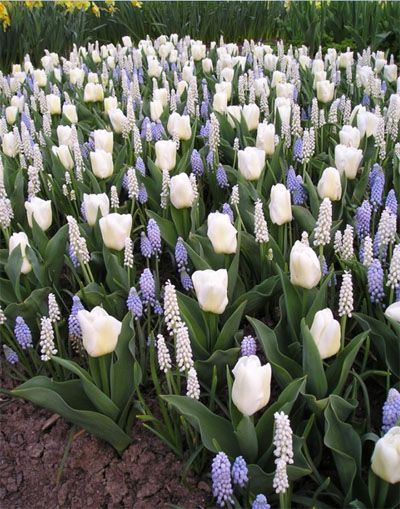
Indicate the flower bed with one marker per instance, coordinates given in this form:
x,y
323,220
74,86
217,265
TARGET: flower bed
x,y
217,228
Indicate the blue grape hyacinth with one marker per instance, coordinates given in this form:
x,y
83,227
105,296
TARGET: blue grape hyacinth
x,y
260,502
248,346
221,479
22,333
375,281
391,410
240,472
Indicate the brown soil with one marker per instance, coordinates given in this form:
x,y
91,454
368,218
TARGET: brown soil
x,y
147,476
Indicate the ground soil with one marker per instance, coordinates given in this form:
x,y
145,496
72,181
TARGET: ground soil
x,y
147,476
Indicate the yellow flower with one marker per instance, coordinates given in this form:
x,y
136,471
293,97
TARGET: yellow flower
x,y
33,4
4,16
95,10
136,4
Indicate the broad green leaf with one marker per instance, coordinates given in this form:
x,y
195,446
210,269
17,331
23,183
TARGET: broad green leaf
x,y
312,364
231,326
247,439
194,319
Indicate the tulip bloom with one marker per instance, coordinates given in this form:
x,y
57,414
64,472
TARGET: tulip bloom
x,y
305,269
41,211
325,331
280,208
115,229
211,287
221,233
329,185
165,154
92,203
385,461
181,191
251,162
100,331
20,239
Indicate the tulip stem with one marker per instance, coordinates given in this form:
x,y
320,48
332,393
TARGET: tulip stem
x,y
104,374
343,330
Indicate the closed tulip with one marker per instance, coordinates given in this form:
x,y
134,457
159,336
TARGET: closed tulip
x,y
225,86
156,110
76,76
261,87
70,113
270,62
127,41
233,112
11,114
329,185
283,105
181,88
211,287
64,155
161,94
10,145
280,207
305,269
181,191
285,90
102,163
117,119
367,123
20,239
347,160
325,331
319,76
187,73
92,203
393,311
41,211
325,91
110,103
251,388
64,135
221,233
385,461
198,51
390,72
227,74
154,69
179,126
165,154
266,138
100,331
251,114
115,229
349,136
53,104
207,65
317,66
40,77
93,92
18,102
251,162
103,140
220,102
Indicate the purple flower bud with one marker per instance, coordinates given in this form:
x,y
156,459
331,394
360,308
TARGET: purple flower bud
x,y
240,472
10,355
210,159
391,410
221,479
363,219
205,130
134,304
391,202
142,195
145,246
204,109
154,236
222,178
181,256
226,209
260,502
145,124
157,131
74,328
375,281
196,163
365,100
22,333
248,346
140,166
158,309
186,281
377,182
147,287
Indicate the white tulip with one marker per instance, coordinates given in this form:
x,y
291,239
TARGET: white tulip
x,y
117,119
20,239
165,154
179,126
110,103
102,163
115,229
96,56
221,233
10,145
211,287
161,94
261,87
70,113
266,138
364,73
40,77
379,64
280,208
270,62
285,90
93,92
225,86
100,331
305,268
251,162
390,73
53,104
251,388
347,160
156,110
207,65
278,77
329,185
64,135
345,59
187,73
41,211
251,114
227,74
240,61
103,140
349,136
318,65
11,114
127,41
393,311
92,203
181,88
64,155
305,62
181,191
76,76
325,91
233,112
19,102
284,107
220,102
198,51
319,76
325,331
367,122
385,461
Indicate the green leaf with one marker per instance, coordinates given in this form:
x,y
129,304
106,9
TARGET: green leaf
x,y
116,277
68,400
304,218
256,297
167,229
247,438
199,262
194,319
293,304
216,432
13,269
225,338
219,359
312,364
54,256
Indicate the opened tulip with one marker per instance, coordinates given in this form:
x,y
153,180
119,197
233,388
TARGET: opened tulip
x,y
251,114
76,75
347,160
227,74
385,461
393,311
100,331
92,204
211,287
181,191
251,162
115,229
179,126
277,77
329,185
64,155
161,94
305,268
266,138
198,51
325,91
280,207
325,331
221,233
18,102
251,388
349,136
20,239
10,145
103,140
165,154
102,163
285,90
41,211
